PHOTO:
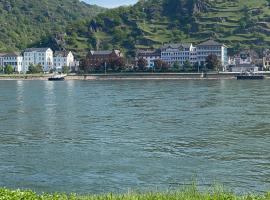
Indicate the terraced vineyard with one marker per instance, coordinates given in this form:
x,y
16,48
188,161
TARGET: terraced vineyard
x,y
150,23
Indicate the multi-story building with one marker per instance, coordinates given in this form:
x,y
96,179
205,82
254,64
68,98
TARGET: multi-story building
x,y
171,53
243,62
211,47
266,59
149,55
13,59
99,58
63,58
266,62
35,56
240,59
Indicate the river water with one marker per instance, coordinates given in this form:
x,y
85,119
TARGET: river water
x,y
113,136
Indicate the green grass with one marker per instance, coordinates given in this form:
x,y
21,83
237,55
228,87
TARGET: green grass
x,y
191,193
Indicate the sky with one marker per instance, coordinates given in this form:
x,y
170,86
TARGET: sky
x,y
111,3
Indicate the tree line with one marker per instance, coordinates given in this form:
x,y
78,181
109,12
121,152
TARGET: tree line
x,y
212,63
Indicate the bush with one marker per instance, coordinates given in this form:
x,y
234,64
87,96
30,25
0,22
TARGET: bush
x,y
9,69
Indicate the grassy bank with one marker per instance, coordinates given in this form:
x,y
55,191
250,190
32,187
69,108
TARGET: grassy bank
x,y
188,194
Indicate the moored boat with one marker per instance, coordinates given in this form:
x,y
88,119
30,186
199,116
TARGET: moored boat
x,y
250,76
57,78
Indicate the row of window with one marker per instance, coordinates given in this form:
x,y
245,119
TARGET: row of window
x,y
175,54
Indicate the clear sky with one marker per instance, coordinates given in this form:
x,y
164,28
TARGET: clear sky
x,y
111,3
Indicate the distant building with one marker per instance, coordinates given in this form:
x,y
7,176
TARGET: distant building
x,y
181,52
212,47
35,56
266,60
244,68
63,58
98,58
240,59
244,62
149,55
13,59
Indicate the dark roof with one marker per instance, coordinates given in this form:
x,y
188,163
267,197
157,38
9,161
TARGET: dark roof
x,y
61,53
141,52
106,52
12,54
36,49
176,45
210,43
101,52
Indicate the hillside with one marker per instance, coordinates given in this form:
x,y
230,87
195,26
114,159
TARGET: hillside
x,y
150,23
26,23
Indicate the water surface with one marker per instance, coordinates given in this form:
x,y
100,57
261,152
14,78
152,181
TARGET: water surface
x,y
112,136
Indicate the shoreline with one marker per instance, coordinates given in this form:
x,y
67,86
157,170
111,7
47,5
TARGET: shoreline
x,y
132,76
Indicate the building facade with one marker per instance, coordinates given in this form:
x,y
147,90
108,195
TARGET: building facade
x,y
171,53
211,47
63,58
38,56
149,55
266,62
13,59
100,58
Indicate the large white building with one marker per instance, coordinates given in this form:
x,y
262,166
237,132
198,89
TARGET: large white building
x,y
171,53
63,58
212,47
35,56
13,59
149,55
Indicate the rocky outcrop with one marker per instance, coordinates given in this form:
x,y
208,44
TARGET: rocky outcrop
x,y
201,6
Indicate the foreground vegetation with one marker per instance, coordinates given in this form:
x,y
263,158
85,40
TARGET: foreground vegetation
x,y
191,193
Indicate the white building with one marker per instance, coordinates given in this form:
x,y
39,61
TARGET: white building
x,y
35,56
63,58
241,59
211,47
243,62
171,53
150,56
13,59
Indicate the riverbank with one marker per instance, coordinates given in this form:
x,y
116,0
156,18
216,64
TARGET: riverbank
x,y
188,194
131,76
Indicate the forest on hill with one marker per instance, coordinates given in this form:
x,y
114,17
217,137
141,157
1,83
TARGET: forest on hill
x,y
30,23
151,23
77,26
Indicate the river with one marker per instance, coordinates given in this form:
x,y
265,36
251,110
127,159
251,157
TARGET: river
x,y
115,136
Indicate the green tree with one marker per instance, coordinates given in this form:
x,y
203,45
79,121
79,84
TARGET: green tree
x,y
9,69
187,66
161,66
176,66
142,63
34,69
212,62
65,69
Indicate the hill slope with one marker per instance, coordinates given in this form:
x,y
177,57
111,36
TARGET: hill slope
x,y
150,23
26,22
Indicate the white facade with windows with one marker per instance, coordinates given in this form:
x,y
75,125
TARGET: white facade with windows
x,y
211,47
13,59
180,53
38,56
63,58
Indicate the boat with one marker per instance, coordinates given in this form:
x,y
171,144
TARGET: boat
x,y
250,76
57,78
